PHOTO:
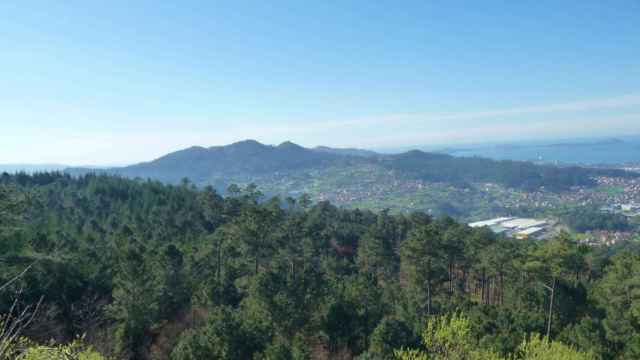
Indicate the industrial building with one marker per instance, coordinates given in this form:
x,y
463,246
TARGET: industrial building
x,y
519,228
529,233
491,222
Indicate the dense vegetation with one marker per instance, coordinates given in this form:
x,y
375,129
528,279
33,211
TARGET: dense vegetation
x,y
514,174
151,271
588,218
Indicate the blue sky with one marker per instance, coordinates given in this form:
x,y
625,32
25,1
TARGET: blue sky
x,y
87,82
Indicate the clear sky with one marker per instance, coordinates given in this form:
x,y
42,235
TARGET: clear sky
x,y
113,82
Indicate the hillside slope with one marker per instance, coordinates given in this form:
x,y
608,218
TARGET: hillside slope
x,y
413,180
245,158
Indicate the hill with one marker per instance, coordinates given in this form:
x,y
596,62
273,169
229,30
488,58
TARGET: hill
x,y
250,158
413,180
245,158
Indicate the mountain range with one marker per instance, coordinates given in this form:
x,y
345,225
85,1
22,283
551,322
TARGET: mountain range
x,y
250,160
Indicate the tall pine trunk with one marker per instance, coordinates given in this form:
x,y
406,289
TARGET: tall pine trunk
x,y
553,293
257,263
450,278
429,287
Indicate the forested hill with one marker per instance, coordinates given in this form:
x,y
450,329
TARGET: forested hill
x,y
253,160
153,271
245,158
517,174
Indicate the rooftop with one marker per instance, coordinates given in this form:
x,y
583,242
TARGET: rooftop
x,y
490,222
521,224
530,231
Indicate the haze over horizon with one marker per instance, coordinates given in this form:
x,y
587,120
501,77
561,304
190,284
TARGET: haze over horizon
x,y
116,83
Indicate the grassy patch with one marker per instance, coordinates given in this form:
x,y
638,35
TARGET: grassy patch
x,y
611,190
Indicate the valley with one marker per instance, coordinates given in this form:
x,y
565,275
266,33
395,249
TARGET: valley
x,y
466,188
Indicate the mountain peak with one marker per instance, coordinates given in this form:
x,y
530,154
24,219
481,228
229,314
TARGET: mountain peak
x,y
247,142
289,145
246,146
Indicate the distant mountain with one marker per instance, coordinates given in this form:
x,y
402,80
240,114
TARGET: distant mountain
x,y
346,151
30,168
244,158
251,161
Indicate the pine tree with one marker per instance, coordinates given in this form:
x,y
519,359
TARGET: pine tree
x,y
135,299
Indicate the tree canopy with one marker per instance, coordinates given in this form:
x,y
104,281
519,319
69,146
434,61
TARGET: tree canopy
x,y
142,270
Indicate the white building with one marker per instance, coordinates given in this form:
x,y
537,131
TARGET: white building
x,y
522,224
520,228
491,222
527,233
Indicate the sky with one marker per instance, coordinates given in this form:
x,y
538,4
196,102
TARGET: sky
x,y
118,82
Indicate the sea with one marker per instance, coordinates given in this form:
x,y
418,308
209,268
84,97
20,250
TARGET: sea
x,y
611,151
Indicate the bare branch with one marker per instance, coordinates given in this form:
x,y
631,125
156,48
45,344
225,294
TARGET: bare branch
x,y
18,276
13,325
